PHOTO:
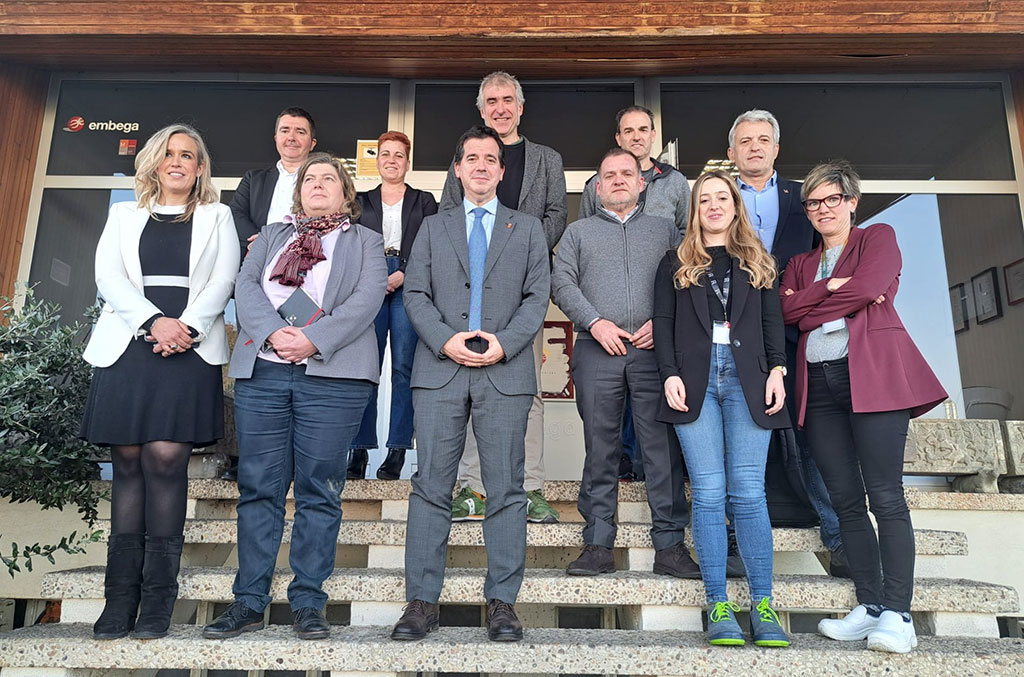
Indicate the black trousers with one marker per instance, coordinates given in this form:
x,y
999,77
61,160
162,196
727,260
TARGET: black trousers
x,y
858,454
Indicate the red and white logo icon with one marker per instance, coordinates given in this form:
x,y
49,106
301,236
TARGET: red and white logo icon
x,y
75,124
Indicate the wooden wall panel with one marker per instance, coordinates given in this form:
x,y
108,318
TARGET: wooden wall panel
x,y
558,38
23,93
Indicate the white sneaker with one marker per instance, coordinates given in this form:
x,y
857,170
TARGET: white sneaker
x,y
856,625
893,634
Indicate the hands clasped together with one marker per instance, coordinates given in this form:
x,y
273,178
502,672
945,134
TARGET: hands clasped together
x,y
171,336
457,350
611,336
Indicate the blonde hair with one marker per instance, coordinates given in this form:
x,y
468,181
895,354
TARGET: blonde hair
x,y
147,166
349,206
742,242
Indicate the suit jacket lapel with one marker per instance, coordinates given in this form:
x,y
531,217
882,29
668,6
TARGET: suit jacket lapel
x,y
504,224
531,165
407,203
130,237
810,266
739,286
203,222
699,297
266,194
377,210
786,198
455,224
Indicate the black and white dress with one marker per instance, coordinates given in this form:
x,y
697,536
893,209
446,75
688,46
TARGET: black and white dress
x,y
144,397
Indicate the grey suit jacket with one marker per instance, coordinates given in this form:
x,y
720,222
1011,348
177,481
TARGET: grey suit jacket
x,y
517,284
344,337
542,195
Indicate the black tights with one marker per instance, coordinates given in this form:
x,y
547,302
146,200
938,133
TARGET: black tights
x,y
150,488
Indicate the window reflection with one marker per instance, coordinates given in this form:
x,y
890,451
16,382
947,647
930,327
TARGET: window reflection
x,y
947,240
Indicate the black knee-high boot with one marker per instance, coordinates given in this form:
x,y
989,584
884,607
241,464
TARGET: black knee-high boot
x,y
121,586
159,586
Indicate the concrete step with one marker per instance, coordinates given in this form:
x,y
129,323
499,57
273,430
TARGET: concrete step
x,y
64,649
555,587
560,535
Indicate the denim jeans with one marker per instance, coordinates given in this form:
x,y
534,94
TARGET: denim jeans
x,y
725,452
403,346
858,454
291,428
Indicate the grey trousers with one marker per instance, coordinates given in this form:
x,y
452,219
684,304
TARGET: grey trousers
x,y
499,422
469,468
602,381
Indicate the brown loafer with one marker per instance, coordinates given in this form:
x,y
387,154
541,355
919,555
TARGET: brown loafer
x,y
418,618
502,623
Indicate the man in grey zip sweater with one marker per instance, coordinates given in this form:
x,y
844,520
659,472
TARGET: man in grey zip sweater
x,y
603,280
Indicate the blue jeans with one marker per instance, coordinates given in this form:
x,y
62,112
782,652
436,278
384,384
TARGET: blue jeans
x,y
725,452
403,346
291,428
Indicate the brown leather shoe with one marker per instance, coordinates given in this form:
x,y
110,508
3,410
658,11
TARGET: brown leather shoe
x,y
418,618
594,560
676,561
502,623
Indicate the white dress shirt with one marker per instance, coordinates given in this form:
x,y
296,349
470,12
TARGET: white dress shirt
x,y
391,224
284,194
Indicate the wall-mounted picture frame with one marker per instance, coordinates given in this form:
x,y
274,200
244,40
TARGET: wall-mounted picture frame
x,y
555,374
988,305
958,303
1013,275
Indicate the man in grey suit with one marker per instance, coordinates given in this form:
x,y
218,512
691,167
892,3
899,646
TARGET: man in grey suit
x,y
476,291
533,183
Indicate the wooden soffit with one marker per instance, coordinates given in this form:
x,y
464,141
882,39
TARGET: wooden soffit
x,y
463,39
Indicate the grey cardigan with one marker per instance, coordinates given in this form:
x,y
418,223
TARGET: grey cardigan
x,y
542,196
606,268
344,337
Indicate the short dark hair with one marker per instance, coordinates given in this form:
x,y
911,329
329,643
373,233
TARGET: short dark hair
x,y
613,152
479,132
297,112
632,109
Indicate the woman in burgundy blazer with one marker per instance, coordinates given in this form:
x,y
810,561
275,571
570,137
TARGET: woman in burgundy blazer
x,y
860,379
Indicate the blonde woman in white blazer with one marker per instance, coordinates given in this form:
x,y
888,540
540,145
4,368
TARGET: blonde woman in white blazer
x,y
165,269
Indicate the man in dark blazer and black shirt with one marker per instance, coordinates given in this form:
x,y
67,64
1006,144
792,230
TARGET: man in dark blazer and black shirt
x,y
265,195
778,216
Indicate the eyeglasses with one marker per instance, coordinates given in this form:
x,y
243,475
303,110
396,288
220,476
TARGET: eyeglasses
x,y
831,201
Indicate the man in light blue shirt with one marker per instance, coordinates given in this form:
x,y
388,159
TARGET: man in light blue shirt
x,y
490,208
762,207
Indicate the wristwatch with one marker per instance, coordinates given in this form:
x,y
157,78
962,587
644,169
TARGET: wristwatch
x,y
781,368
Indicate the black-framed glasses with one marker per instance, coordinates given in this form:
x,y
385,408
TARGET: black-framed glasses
x,y
831,201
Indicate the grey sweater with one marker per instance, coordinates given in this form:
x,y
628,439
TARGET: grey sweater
x,y
668,195
605,268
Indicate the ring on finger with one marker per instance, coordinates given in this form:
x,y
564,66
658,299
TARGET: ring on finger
x,y
174,346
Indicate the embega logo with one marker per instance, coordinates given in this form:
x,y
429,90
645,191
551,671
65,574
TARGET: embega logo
x,y
111,126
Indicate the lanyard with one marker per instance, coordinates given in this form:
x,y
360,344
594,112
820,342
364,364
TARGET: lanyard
x,y
822,266
721,292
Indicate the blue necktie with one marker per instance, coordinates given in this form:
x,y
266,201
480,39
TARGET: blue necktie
x,y
477,259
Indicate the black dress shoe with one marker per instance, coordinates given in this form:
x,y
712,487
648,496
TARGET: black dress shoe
x,y
418,618
391,468
594,560
676,561
626,473
734,567
357,460
231,472
838,566
502,623
310,623
238,618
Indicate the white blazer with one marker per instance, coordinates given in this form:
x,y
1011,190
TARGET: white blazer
x,y
212,267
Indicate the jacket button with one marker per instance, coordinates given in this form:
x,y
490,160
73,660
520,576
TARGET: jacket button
x,y
465,315
736,343
467,285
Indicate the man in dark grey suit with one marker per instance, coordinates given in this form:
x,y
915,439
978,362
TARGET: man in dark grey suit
x,y
476,291
533,183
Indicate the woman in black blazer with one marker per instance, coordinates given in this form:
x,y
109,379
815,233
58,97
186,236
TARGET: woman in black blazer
x,y
720,344
394,210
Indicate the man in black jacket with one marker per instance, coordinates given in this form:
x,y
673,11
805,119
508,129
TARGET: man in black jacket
x,y
265,195
778,216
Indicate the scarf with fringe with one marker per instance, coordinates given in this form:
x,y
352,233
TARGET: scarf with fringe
x,y
305,251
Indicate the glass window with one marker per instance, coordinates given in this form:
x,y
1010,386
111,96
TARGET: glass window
x,y
888,131
100,125
576,119
969,334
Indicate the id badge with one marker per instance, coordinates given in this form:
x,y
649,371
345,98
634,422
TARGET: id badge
x,y
833,326
720,333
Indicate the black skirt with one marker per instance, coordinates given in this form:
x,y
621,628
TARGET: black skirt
x,y
144,397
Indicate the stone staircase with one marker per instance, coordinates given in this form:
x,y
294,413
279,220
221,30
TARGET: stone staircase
x,y
638,623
